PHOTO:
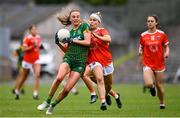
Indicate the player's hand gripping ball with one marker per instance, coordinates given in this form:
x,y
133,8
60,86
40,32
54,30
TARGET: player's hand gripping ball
x,y
62,36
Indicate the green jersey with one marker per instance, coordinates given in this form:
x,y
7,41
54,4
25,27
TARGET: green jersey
x,y
20,53
78,52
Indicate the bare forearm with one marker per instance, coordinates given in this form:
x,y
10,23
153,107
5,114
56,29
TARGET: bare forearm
x,y
27,48
63,47
82,42
105,38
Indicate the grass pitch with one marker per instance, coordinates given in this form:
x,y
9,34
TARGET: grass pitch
x,y
135,103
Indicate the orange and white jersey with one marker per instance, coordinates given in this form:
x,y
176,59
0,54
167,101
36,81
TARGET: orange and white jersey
x,y
32,55
99,49
152,47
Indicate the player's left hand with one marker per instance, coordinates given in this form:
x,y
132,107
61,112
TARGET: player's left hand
x,y
166,55
56,39
67,40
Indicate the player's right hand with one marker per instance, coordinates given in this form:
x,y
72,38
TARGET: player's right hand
x,y
56,39
67,40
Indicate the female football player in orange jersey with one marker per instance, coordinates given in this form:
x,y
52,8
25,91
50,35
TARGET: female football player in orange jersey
x,y
30,47
100,61
152,51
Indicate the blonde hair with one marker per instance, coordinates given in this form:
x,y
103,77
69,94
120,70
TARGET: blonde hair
x,y
97,15
64,15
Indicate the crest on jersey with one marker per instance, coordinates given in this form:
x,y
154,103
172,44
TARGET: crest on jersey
x,y
158,37
152,37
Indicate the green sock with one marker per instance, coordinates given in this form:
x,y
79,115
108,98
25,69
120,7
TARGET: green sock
x,y
48,100
55,103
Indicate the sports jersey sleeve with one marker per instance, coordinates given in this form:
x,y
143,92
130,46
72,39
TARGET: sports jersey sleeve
x,y
85,27
141,41
141,45
165,40
104,32
25,42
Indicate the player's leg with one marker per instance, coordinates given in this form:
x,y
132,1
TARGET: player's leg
x,y
22,91
89,84
117,98
108,87
148,76
23,73
74,89
160,89
37,69
109,90
108,82
98,73
73,79
63,70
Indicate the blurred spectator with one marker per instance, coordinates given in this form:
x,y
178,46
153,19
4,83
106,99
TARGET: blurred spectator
x,y
177,76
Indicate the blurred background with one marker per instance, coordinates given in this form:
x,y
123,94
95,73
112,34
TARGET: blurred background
x,y
125,19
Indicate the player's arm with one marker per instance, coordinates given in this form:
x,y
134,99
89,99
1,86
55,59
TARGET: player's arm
x,y
106,38
26,45
27,48
140,59
87,39
166,46
167,51
63,47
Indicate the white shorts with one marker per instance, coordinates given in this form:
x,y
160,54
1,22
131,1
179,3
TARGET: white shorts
x,y
37,61
148,68
94,64
27,65
106,70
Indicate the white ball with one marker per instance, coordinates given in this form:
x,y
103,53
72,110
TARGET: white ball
x,y
63,33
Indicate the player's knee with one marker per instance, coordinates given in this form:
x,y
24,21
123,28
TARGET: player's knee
x,y
58,80
37,76
85,77
100,80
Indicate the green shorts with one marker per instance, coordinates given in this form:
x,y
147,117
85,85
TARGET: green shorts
x,y
76,66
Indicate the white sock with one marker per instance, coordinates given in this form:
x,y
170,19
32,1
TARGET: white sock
x,y
162,104
93,93
74,90
35,93
153,86
103,101
116,96
16,91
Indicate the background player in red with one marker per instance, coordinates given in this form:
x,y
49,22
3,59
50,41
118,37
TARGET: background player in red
x,y
31,45
152,50
100,61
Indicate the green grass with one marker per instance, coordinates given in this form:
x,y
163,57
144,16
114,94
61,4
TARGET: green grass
x,y
135,103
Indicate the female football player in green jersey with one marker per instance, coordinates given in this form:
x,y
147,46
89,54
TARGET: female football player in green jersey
x,y
74,61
